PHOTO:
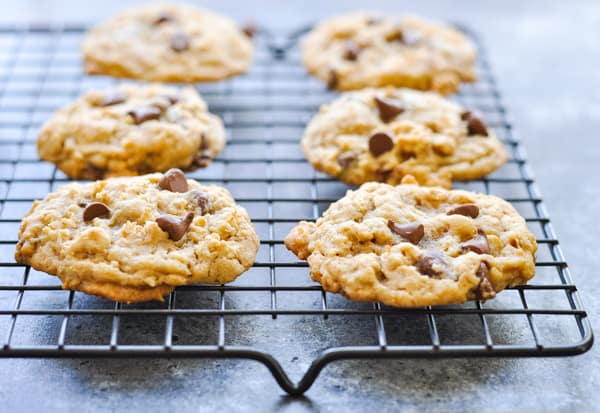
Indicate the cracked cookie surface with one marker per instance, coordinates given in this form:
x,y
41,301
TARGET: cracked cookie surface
x,y
136,238
412,246
384,134
167,43
131,130
364,49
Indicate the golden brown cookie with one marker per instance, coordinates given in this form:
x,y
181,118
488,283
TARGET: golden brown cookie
x,y
131,130
137,238
363,49
167,43
412,246
385,134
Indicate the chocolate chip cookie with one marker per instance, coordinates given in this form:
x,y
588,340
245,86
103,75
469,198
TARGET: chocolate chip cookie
x,y
131,130
383,134
357,50
137,238
412,246
170,43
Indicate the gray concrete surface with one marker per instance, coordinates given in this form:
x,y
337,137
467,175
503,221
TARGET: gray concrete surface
x,y
546,57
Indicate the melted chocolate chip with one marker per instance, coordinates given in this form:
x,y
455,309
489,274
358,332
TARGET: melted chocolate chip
x,y
432,264
176,227
180,42
345,159
478,244
174,180
249,29
143,114
380,143
351,50
475,125
203,142
334,80
113,98
202,158
93,172
382,175
485,289
388,108
95,210
468,210
202,200
172,98
163,17
413,232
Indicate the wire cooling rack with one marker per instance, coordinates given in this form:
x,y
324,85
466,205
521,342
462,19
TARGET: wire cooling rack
x,y
274,313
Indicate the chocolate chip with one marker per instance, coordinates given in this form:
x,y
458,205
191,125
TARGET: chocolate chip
x,y
175,226
203,142
373,20
93,172
388,108
475,125
143,114
478,244
180,42
82,204
432,263
202,159
345,159
382,175
468,210
351,50
163,17
96,210
485,289
202,199
249,29
204,155
114,98
334,80
380,143
413,232
172,98
174,180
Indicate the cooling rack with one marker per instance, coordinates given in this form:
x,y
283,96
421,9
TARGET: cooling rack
x,y
273,314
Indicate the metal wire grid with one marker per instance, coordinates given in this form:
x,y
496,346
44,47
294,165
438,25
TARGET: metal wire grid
x,y
265,112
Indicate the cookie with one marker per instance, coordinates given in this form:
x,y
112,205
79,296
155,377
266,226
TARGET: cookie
x,y
383,134
135,239
360,49
167,43
131,130
412,246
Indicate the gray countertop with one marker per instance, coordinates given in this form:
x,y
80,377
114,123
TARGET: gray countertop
x,y
544,55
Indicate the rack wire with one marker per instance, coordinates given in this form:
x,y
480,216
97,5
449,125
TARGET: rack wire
x,y
273,306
